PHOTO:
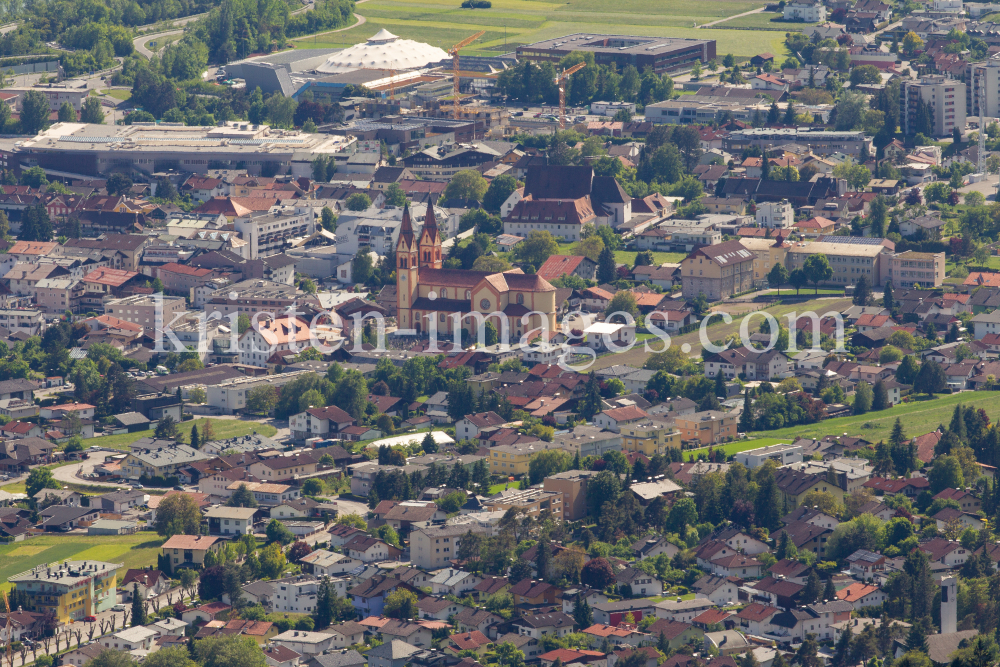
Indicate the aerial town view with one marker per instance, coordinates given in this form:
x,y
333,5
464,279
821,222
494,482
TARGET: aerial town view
x,y
499,333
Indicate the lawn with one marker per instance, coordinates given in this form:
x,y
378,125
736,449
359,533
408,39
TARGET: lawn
x,y
735,447
717,330
918,418
765,20
511,22
134,551
628,256
223,428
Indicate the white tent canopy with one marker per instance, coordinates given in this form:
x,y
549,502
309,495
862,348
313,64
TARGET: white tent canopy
x,y
383,51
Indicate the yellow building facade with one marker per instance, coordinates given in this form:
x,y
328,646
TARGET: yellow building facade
x,y
72,590
650,438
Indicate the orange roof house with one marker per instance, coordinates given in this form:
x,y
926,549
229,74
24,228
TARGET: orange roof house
x,y
816,224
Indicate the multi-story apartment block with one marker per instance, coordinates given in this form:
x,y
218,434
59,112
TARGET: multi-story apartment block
x,y
910,268
943,98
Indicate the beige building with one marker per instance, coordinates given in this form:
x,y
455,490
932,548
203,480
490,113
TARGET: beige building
x,y
650,437
849,261
572,485
907,269
768,253
57,295
718,271
945,98
706,428
532,501
141,309
190,549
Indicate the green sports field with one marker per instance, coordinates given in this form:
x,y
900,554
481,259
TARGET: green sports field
x,y
511,22
134,551
222,428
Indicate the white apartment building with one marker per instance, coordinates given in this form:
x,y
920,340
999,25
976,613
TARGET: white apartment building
x,y
434,547
808,11
378,228
775,215
269,233
231,395
945,97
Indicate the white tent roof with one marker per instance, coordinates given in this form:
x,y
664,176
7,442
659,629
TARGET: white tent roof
x,y
383,51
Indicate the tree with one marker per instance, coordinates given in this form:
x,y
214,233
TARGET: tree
x,y
877,216
362,267
35,224
798,279
34,112
746,416
272,560
499,190
328,219
468,185
178,514
401,603
536,248
166,428
38,479
817,269
623,302
509,655
277,533
229,651
112,658
862,292
262,400
862,398
946,474
138,609
67,114
175,656
242,497
912,43
812,590
548,462
931,379
880,399
777,276
394,195
359,201
597,574
590,404
91,112
607,268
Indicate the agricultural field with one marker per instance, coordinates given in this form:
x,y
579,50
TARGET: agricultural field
x,y
223,428
134,551
765,20
512,22
735,447
919,417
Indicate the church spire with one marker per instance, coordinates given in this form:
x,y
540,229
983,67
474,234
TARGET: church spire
x,y
405,229
430,223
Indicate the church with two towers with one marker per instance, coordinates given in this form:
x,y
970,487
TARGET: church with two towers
x,y
426,290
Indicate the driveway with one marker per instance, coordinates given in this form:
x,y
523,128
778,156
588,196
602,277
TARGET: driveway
x,y
71,473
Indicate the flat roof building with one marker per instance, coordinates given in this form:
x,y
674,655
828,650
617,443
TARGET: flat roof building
x,y
662,54
82,148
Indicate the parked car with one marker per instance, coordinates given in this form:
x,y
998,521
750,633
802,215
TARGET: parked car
x,y
118,607
90,619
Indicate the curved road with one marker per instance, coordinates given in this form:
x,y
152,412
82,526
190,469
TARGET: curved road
x,y
140,42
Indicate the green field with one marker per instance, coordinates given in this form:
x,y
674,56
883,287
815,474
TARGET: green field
x,y
734,447
767,20
134,551
628,256
223,428
918,418
511,22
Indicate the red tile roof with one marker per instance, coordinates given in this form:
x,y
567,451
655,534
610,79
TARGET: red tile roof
x,y
556,265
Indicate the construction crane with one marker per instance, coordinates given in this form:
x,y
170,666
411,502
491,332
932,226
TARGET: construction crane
x,y
455,71
561,82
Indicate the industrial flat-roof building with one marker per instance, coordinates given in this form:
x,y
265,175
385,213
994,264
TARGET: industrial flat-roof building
x,y
81,148
662,54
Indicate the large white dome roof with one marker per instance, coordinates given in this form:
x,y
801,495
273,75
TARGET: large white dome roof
x,y
385,51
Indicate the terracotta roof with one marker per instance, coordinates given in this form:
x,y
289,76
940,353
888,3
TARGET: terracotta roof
x,y
32,247
855,592
190,542
556,265
757,612
109,277
112,322
469,640
629,412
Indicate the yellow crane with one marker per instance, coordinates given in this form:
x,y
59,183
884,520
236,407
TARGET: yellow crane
x,y
455,71
561,82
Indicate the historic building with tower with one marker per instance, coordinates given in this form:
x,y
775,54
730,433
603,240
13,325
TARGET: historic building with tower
x,y
426,290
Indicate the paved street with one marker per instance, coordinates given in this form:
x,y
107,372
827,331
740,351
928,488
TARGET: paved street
x,y
76,473
987,187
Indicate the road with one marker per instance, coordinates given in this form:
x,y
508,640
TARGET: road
x,y
140,42
988,187
361,20
69,474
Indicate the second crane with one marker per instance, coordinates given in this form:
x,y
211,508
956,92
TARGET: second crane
x,y
455,69
561,83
